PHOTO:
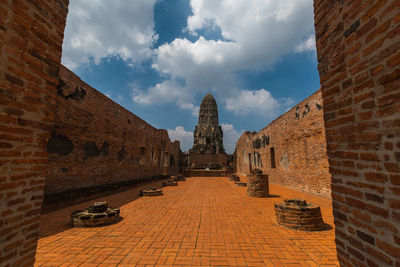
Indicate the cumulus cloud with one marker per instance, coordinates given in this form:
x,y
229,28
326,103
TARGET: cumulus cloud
x,y
231,135
260,101
183,136
166,92
307,45
99,28
254,35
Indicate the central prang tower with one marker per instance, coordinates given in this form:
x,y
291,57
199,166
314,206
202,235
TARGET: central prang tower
x,y
208,134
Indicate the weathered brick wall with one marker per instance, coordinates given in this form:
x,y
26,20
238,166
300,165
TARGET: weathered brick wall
x,y
31,34
298,140
358,46
202,160
95,141
206,173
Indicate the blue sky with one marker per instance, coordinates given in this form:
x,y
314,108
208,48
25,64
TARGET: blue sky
x,y
158,58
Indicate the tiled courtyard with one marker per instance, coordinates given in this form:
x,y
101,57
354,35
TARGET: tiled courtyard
x,y
201,222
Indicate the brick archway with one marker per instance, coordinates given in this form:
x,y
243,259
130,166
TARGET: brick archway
x,y
358,53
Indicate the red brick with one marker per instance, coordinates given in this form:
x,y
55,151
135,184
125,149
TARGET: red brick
x,y
15,201
388,100
366,27
355,252
392,167
390,249
370,136
378,255
377,31
376,177
394,60
347,191
395,179
395,190
369,156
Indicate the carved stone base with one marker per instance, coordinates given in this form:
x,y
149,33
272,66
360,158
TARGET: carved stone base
x,y
97,214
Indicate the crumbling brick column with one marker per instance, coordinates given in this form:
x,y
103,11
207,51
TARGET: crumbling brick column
x,y
257,185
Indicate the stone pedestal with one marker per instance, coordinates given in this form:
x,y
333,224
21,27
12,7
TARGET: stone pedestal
x,y
151,191
242,184
257,185
178,178
97,214
170,183
234,178
299,215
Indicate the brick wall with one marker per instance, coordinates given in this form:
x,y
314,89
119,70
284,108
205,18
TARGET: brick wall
x,y
94,141
297,139
31,34
204,160
358,46
205,173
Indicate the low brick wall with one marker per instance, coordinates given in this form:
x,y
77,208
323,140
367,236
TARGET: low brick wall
x,y
203,160
206,173
306,218
257,185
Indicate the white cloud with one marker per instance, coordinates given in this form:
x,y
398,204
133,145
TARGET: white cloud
x,y
185,137
120,98
258,102
255,35
108,94
307,45
230,137
99,28
166,92
196,111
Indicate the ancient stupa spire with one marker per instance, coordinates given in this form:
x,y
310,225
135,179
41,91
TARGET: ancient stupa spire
x,y
208,134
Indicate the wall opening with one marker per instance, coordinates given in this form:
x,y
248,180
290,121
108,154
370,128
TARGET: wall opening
x,y
250,162
142,151
272,152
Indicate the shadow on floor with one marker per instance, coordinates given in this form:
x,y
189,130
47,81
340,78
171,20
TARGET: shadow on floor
x,y
55,218
327,227
73,197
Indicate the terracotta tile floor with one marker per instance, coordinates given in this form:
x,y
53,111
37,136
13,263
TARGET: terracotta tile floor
x,y
201,222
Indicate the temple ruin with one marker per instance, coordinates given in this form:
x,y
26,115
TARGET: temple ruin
x,y
208,136
208,157
358,54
